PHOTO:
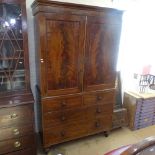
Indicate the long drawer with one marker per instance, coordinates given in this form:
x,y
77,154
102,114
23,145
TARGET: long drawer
x,y
16,115
16,144
54,118
15,131
58,103
102,97
64,133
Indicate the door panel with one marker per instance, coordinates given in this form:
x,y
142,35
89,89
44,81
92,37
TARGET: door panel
x,y
64,44
102,42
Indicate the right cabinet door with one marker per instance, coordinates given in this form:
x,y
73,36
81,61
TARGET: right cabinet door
x,y
102,42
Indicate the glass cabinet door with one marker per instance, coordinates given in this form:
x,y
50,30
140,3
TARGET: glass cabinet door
x,y
12,73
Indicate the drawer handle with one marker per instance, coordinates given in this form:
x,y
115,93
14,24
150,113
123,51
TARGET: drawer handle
x,y
97,124
63,103
62,133
14,115
63,118
17,144
16,131
98,110
99,98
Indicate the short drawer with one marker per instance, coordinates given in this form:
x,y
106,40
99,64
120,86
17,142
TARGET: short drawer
x,y
16,115
28,151
99,111
61,133
54,118
59,103
100,124
15,131
16,144
99,97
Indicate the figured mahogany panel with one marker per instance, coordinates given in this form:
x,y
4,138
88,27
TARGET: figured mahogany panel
x,y
101,54
64,41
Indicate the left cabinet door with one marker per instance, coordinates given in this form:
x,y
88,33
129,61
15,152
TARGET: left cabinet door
x,y
14,74
62,46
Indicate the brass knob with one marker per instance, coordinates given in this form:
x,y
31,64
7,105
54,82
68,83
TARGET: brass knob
x,y
42,60
14,115
17,144
16,131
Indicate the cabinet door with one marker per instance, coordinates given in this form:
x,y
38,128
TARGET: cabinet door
x,y
102,42
62,45
14,74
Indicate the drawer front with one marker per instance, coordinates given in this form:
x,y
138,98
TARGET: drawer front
x,y
16,115
61,133
100,124
99,98
61,103
29,151
139,126
99,111
144,114
144,120
62,117
145,107
16,144
15,131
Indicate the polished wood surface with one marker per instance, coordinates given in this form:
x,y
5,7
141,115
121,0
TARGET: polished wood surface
x,y
76,53
16,144
17,131
16,115
64,39
27,151
17,124
99,97
58,103
100,64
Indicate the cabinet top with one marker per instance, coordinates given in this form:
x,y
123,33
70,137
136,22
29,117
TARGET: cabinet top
x,y
49,3
141,95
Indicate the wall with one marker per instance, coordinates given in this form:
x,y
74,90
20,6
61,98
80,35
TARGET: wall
x,y
106,3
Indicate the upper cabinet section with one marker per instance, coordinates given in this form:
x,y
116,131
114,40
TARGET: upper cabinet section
x,y
77,47
13,46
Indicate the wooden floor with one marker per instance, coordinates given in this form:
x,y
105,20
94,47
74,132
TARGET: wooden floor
x,y
98,144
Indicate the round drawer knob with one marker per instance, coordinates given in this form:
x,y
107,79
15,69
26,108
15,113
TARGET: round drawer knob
x,y
99,98
63,118
62,133
14,115
17,144
63,103
97,124
16,131
98,110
